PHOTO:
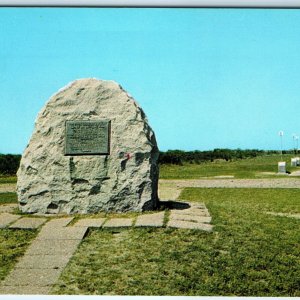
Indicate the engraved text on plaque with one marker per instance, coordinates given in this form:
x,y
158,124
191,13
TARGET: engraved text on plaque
x,y
87,137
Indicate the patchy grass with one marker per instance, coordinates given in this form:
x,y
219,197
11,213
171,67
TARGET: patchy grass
x,y
13,244
258,167
250,253
8,198
8,179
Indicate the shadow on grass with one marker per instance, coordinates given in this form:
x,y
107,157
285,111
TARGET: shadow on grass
x,y
173,205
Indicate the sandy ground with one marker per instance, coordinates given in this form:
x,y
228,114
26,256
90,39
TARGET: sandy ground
x,y
7,187
235,183
170,189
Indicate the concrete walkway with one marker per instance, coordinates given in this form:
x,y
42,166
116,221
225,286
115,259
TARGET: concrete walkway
x,y
45,258
49,253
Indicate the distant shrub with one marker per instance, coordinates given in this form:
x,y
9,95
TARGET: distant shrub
x,y
178,157
9,164
171,157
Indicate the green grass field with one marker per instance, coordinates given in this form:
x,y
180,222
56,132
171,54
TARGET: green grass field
x,y
8,198
8,179
249,253
258,167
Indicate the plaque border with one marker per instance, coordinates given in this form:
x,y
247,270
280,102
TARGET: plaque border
x,y
92,153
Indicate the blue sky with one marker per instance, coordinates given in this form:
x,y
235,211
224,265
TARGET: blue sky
x,y
206,78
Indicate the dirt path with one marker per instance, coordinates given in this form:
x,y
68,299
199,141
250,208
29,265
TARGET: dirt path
x,y
170,189
235,183
7,187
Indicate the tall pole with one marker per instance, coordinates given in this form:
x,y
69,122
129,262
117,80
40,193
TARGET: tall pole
x,y
295,143
281,135
294,146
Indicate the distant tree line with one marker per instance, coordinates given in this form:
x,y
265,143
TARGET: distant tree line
x,y
178,157
9,163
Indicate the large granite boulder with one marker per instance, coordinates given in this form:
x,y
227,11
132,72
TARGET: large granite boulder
x,y
92,150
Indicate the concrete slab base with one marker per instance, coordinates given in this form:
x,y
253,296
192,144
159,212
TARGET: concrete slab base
x,y
24,290
52,247
190,225
7,218
95,223
150,220
32,277
46,261
118,222
28,223
61,233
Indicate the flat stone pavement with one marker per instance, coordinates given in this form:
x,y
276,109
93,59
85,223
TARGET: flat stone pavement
x,y
150,220
28,223
49,253
45,258
194,217
7,218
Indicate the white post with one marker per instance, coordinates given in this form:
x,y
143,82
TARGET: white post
x,y
281,135
293,136
295,139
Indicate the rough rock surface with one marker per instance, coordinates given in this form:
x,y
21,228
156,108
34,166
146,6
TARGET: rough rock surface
x,y
125,180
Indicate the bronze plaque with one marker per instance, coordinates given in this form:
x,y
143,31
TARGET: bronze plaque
x,y
87,137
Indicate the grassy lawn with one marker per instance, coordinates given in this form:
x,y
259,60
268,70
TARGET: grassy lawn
x,y
245,168
8,179
8,198
13,244
250,253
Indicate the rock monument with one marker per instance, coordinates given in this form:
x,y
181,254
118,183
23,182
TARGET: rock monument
x,y
92,150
